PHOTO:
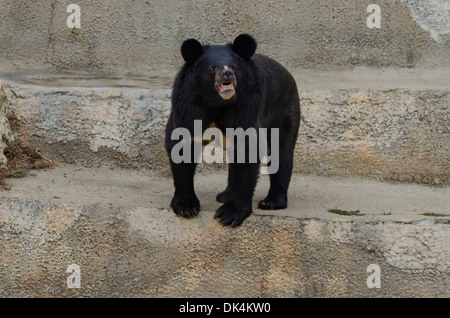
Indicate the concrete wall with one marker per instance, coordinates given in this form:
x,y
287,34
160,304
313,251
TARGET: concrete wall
x,y
143,37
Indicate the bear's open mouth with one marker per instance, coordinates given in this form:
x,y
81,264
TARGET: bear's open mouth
x,y
225,87
226,90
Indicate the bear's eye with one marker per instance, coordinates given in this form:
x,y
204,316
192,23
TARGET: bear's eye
x,y
234,67
212,69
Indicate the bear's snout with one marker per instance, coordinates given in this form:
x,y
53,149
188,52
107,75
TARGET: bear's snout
x,y
227,74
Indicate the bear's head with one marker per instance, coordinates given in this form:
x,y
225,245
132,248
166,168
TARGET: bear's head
x,y
219,71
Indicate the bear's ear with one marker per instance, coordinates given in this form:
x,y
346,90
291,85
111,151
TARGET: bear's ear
x,y
191,50
244,45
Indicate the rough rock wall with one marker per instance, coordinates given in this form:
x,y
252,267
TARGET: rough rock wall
x,y
394,134
146,252
5,129
398,134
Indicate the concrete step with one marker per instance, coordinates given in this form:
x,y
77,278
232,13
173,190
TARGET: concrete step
x,y
386,124
116,226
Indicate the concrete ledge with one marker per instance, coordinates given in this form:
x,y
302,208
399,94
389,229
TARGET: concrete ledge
x,y
388,125
114,225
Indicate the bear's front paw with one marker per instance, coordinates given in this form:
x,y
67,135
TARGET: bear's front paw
x,y
232,214
186,206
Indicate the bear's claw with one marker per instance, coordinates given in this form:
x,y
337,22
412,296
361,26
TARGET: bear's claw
x,y
187,208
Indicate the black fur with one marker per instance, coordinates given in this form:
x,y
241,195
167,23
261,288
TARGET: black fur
x,y
265,97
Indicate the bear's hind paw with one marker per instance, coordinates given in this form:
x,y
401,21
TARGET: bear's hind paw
x,y
230,215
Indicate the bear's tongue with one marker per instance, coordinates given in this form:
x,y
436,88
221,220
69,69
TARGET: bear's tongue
x,y
225,87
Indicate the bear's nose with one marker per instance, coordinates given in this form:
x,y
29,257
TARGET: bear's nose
x,y
227,74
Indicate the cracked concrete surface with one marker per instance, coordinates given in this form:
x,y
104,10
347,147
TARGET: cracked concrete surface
x,y
50,47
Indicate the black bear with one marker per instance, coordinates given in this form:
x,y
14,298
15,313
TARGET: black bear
x,y
232,87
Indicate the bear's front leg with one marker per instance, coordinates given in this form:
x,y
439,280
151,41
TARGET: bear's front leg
x,y
242,183
185,202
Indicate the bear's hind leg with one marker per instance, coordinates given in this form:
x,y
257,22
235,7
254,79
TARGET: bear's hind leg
x,y
279,184
225,195
279,181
